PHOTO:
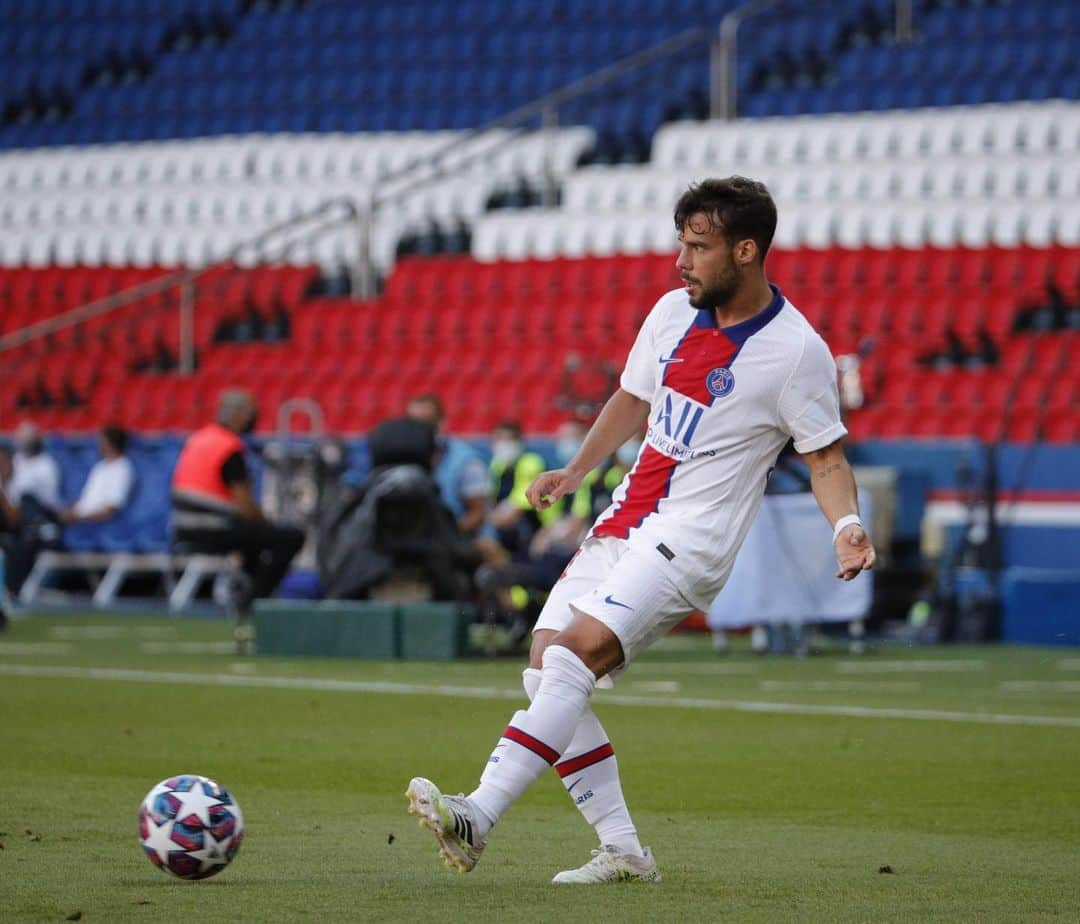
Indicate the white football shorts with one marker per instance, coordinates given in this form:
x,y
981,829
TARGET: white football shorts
x,y
628,590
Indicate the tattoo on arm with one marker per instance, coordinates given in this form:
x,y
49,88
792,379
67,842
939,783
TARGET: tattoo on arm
x,y
828,470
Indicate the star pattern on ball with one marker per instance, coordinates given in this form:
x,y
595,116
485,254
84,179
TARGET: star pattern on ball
x,y
159,839
212,854
196,802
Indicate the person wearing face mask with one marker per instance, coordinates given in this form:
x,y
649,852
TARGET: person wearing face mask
x,y
213,506
35,476
460,471
512,471
28,503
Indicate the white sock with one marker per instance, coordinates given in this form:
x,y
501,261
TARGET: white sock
x,y
535,738
589,771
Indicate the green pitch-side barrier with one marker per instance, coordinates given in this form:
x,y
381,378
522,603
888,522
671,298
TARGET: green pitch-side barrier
x,y
361,629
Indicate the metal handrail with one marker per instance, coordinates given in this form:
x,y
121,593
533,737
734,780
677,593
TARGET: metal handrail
x,y
723,55
180,277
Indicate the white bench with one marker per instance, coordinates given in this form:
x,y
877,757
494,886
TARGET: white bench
x,y
181,575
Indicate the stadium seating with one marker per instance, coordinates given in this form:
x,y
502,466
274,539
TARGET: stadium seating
x,y
192,203
121,71
1000,175
939,243
494,339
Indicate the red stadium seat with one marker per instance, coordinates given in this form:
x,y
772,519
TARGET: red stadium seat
x,y
909,269
1062,428
1023,427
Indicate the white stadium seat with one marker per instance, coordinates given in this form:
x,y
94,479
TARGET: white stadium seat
x,y
1041,224
975,224
999,173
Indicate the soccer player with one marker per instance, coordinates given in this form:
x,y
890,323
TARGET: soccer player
x,y
723,372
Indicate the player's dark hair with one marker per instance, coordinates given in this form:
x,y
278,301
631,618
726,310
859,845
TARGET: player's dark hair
x,y
116,437
738,207
510,426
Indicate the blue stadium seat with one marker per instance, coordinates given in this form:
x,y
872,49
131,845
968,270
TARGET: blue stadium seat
x,y
351,66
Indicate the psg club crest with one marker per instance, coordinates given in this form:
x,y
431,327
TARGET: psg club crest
x,y
720,382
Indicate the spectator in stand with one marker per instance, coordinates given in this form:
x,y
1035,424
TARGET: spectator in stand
x,y
213,506
108,486
28,504
460,472
512,471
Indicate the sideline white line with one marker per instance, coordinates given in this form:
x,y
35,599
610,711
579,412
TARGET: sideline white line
x,y
78,633
841,686
1053,686
929,666
33,648
420,689
187,647
693,667
656,686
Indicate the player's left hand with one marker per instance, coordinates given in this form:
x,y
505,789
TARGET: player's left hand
x,y
854,552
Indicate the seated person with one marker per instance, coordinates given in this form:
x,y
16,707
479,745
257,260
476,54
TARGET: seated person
x,y
35,478
213,506
28,504
512,471
108,486
460,472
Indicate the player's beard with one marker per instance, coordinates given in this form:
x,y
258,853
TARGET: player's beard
x,y
721,291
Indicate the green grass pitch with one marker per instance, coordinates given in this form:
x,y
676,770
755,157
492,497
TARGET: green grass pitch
x,y
769,789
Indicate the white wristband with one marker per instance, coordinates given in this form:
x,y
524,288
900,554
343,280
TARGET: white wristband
x,y
843,523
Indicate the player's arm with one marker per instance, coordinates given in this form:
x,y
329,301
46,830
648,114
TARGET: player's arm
x,y
622,417
834,487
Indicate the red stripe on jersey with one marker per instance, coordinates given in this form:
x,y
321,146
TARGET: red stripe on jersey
x,y
701,350
530,743
574,764
649,483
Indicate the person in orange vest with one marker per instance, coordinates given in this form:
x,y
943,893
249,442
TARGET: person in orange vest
x,y
213,508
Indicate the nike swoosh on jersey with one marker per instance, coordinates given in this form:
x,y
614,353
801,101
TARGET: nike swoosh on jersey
x,y
665,360
611,601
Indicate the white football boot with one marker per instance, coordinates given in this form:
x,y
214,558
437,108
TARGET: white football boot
x,y
451,819
609,864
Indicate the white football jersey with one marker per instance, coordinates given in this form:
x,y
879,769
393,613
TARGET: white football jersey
x,y
723,403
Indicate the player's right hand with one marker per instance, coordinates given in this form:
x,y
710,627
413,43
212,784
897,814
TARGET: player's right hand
x,y
548,487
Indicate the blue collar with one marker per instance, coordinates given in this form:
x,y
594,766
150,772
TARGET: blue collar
x,y
744,330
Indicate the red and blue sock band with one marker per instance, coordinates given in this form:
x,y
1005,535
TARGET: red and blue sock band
x,y
530,743
575,764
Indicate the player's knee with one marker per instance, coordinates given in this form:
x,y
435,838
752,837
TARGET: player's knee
x,y
541,639
566,670
597,646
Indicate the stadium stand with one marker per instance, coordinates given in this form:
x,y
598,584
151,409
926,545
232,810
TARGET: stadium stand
x,y
929,196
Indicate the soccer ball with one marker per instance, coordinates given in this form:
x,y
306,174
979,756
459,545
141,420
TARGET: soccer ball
x,y
190,826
